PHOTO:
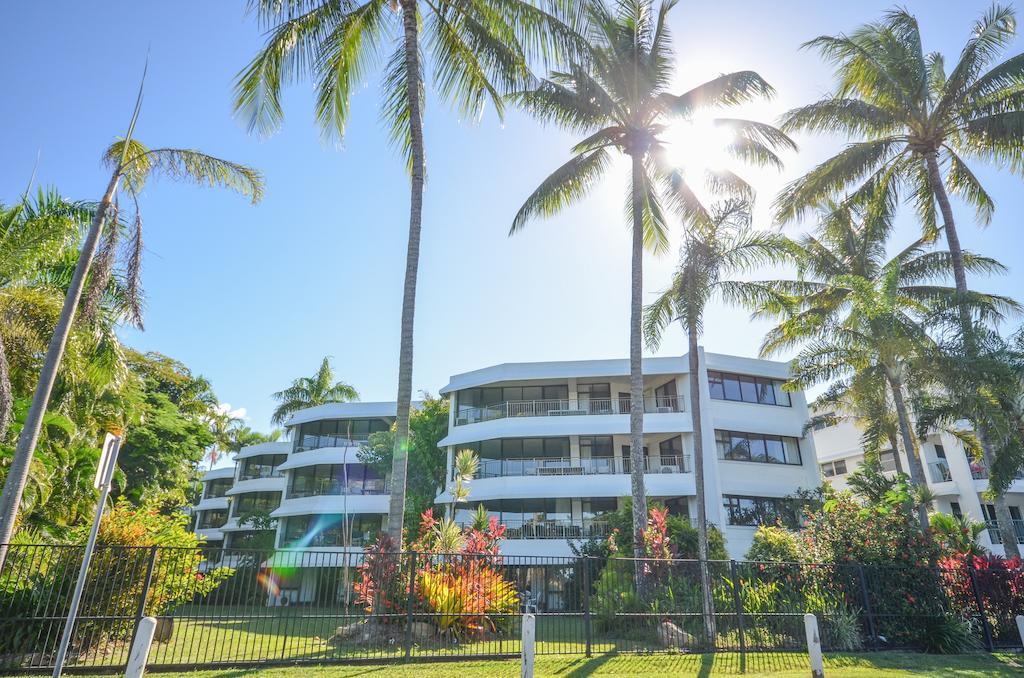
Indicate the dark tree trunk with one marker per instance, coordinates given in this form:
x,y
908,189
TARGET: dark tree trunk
x,y
698,475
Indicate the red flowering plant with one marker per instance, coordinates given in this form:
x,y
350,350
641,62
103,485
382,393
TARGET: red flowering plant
x,y
999,581
658,548
381,587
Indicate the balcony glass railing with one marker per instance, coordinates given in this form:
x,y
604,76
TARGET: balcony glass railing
x,y
315,442
216,492
257,472
331,538
596,528
563,408
940,472
980,472
331,486
564,466
996,536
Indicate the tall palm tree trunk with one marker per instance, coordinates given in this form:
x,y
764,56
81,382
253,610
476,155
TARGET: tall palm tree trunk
x,y
909,444
17,474
636,375
1006,530
698,476
400,459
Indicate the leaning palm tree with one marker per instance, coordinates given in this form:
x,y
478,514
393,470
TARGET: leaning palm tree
x,y
854,311
726,245
319,389
133,164
618,98
478,50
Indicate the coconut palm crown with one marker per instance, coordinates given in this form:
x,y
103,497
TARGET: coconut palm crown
x,y
618,97
319,389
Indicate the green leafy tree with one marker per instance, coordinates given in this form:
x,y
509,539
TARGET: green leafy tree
x,y
724,245
132,164
477,51
319,389
618,97
427,463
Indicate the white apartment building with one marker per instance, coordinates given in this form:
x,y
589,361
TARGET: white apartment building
x,y
553,443
957,481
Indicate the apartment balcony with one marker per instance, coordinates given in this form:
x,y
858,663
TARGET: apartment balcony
x,y
996,536
316,442
597,528
980,472
333,487
939,472
565,408
260,472
564,466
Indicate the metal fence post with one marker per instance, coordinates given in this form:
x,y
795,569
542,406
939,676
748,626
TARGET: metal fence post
x,y
586,602
981,605
147,582
408,612
737,601
867,606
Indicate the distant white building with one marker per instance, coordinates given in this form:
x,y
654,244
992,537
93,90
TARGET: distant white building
x,y
957,482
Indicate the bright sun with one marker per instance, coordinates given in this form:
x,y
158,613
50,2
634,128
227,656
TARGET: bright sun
x,y
697,145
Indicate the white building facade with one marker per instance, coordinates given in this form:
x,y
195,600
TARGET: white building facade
x,y
957,482
553,444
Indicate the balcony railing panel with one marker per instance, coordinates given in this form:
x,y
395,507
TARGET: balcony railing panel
x,y
940,472
330,486
564,408
315,442
597,528
997,537
564,466
257,472
980,472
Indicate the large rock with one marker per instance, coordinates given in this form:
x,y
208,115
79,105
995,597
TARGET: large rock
x,y
421,630
349,631
670,635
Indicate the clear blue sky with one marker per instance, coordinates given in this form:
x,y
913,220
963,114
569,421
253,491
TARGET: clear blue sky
x,y
252,297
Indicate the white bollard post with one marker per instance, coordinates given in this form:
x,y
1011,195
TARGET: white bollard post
x,y
1020,627
529,635
140,648
814,646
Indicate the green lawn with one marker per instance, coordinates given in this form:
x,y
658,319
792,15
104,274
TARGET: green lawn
x,y
781,665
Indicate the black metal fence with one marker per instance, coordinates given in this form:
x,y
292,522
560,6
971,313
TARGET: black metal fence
x,y
236,607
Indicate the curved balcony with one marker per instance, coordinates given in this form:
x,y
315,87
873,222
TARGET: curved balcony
x,y
212,503
339,503
565,408
565,466
595,528
271,483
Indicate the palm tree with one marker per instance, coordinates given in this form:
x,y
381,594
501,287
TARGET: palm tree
x,y
33,235
986,389
855,312
319,389
724,246
478,51
224,427
617,97
914,121
912,118
133,163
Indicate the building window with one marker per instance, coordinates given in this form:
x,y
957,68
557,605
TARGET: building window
x,y
831,469
256,502
213,519
954,507
887,460
328,479
217,488
747,389
517,456
940,452
754,511
665,396
757,447
262,466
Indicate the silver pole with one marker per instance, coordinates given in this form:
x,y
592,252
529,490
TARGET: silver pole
x,y
104,473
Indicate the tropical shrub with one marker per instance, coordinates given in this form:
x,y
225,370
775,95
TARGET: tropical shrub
x,y
775,544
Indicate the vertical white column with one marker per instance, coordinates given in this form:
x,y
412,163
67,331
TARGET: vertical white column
x,y
140,648
529,636
1020,628
814,646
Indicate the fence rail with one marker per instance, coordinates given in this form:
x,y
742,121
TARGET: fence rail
x,y
218,607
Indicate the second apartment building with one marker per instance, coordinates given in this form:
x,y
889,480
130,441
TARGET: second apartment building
x,y
553,443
